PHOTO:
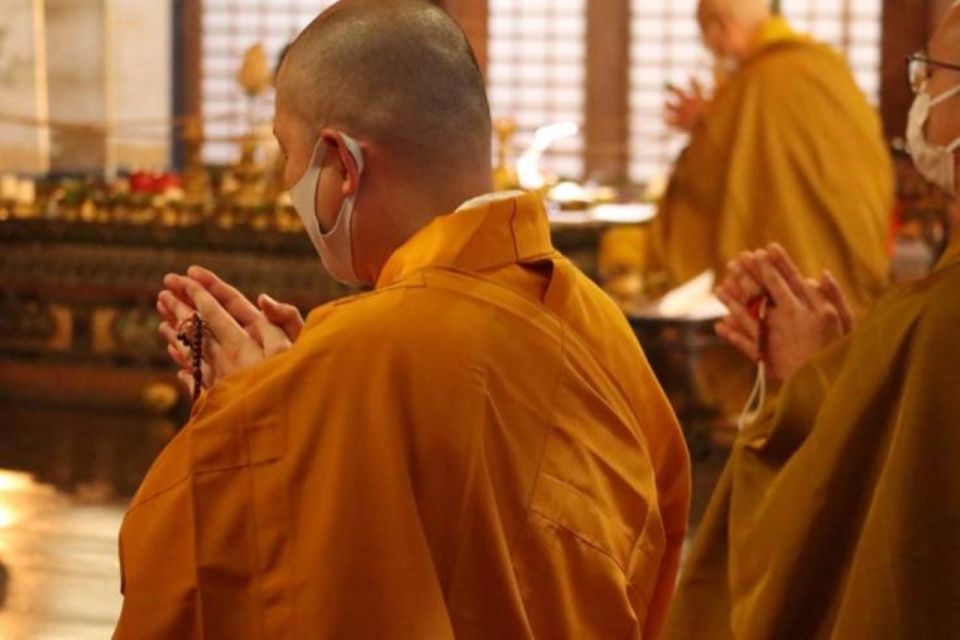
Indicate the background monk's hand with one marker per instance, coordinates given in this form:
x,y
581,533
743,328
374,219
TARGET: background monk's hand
x,y
240,334
685,109
803,316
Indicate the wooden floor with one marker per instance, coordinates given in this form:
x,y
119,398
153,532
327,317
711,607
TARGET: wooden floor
x,y
60,579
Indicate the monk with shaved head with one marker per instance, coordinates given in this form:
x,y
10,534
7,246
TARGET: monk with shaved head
x,y
474,447
838,515
787,149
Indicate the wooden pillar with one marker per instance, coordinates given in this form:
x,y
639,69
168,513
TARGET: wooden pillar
x,y
188,65
473,18
607,121
907,26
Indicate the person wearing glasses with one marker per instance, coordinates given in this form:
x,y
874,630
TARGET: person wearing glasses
x,y
786,150
838,515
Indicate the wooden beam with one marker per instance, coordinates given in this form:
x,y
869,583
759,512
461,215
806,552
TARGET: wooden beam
x,y
907,26
607,120
188,66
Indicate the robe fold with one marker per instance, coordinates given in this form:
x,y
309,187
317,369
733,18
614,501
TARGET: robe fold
x,y
838,514
789,151
475,449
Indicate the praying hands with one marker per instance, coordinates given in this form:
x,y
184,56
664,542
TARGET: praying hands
x,y
238,334
685,108
801,316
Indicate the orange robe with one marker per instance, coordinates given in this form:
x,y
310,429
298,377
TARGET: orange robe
x,y
789,151
476,449
838,515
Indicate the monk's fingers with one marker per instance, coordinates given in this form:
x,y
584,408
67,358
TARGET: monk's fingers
x,y
675,112
676,93
742,342
780,291
183,357
271,337
834,294
286,316
730,284
186,380
165,313
812,294
178,310
696,88
170,334
737,284
750,263
219,322
740,317
179,358
236,304
777,256
177,285
729,290
746,276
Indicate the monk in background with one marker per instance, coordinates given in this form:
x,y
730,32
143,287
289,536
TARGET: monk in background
x,y
787,150
476,448
838,514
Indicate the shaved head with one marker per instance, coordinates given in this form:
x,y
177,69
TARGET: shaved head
x,y
943,125
397,72
747,12
945,44
729,27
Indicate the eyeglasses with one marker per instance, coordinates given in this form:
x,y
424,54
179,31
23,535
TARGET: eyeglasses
x,y
918,70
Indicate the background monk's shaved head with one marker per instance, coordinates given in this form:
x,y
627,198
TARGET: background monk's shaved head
x,y
744,11
945,44
399,72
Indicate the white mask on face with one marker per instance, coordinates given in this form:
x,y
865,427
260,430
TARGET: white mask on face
x,y
336,246
934,162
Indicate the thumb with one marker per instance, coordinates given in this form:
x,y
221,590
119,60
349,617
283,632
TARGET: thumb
x,y
271,337
286,316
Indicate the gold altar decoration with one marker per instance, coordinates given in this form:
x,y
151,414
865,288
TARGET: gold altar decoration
x,y
254,75
504,172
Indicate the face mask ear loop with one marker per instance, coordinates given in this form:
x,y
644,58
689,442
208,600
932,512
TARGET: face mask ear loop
x,y
758,397
943,97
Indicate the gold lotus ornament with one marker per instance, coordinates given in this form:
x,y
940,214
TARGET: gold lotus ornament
x,y
254,75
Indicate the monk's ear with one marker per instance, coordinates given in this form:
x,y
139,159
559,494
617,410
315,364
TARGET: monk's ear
x,y
344,160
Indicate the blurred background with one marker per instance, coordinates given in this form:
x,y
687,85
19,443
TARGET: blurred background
x,y
135,140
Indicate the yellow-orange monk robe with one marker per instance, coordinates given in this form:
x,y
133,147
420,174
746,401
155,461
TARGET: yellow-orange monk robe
x,y
476,449
838,515
789,151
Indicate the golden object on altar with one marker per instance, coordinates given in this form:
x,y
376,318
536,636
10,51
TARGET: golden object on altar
x,y
250,176
196,180
160,398
254,75
504,174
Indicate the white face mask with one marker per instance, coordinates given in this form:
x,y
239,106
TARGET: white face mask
x,y
336,246
934,162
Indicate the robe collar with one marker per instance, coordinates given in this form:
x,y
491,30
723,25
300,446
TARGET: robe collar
x,y
490,234
774,31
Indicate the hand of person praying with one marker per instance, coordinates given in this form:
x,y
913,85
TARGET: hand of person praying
x,y
685,109
803,316
239,334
